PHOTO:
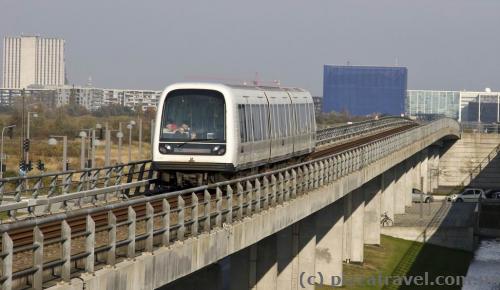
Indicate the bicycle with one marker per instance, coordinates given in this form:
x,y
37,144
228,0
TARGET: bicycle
x,y
386,221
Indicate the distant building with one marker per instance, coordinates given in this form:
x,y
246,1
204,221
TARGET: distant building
x,y
32,60
363,90
318,104
464,106
89,97
421,103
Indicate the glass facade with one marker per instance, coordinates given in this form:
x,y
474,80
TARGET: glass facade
x,y
433,103
363,90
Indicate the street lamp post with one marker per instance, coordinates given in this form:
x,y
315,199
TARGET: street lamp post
x,y
140,138
53,141
107,154
1,150
35,114
129,127
83,136
119,135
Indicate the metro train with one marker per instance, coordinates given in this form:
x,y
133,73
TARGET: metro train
x,y
208,132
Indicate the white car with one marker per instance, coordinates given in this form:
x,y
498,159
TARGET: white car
x,y
467,195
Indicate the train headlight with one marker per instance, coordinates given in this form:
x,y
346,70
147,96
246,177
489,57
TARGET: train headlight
x,y
165,148
219,149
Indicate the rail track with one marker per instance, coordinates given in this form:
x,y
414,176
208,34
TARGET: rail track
x,y
52,231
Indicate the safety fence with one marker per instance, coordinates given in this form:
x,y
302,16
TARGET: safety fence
x,y
16,191
348,131
28,188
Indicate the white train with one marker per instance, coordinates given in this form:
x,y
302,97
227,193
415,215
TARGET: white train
x,y
208,132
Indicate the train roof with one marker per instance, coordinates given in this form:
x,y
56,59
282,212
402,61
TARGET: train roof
x,y
264,88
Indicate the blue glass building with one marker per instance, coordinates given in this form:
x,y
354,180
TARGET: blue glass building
x,y
363,90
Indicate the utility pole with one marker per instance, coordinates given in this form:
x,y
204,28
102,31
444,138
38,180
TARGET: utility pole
x,y
107,157
140,139
92,162
83,136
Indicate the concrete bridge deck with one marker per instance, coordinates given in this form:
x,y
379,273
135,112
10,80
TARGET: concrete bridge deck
x,y
276,226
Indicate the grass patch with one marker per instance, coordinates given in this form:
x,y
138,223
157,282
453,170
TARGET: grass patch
x,y
397,257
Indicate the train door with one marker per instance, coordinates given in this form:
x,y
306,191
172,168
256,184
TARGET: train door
x,y
246,132
288,125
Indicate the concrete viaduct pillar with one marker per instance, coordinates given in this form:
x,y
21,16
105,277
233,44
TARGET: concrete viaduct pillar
x,y
409,180
387,186
287,249
399,188
307,248
255,267
372,194
424,169
433,167
354,210
329,239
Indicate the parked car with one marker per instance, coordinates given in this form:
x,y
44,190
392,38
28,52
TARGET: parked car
x,y
492,193
418,196
467,195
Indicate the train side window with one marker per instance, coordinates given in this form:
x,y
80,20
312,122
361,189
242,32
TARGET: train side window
x,y
299,117
243,125
276,121
282,127
271,121
256,123
263,115
250,133
288,123
294,119
313,116
306,118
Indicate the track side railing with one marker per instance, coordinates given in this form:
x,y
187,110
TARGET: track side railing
x,y
27,189
348,131
146,223
17,191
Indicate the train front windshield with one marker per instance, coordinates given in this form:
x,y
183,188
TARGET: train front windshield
x,y
193,116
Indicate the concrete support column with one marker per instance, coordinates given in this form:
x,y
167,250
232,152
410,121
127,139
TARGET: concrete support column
x,y
329,239
387,186
255,267
433,167
409,173
307,249
347,228
266,265
240,270
424,169
399,189
287,255
373,193
358,228
354,211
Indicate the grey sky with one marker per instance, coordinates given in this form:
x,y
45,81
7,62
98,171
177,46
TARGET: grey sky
x,y
446,44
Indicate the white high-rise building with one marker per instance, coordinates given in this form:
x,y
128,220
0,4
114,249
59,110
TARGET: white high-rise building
x,y
32,60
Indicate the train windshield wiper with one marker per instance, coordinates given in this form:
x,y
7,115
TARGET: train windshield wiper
x,y
193,140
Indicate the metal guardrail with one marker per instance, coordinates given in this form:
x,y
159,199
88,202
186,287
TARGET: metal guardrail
x,y
474,172
46,186
51,185
185,213
476,127
347,131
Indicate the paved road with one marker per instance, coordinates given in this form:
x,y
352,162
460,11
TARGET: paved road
x,y
437,213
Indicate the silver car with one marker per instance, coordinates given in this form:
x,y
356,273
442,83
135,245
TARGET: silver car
x,y
418,196
467,195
